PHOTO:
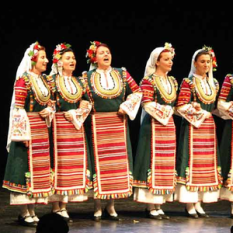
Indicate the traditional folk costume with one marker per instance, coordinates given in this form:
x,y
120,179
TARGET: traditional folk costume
x,y
71,155
198,163
225,107
28,169
27,172
154,166
71,165
110,143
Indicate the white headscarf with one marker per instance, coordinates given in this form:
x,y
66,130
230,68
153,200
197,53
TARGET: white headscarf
x,y
24,66
193,68
151,67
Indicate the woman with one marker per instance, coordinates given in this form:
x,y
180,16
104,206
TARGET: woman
x,y
225,107
154,166
114,95
197,158
27,173
71,156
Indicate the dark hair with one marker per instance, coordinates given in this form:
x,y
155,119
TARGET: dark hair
x,y
66,50
52,223
103,45
202,52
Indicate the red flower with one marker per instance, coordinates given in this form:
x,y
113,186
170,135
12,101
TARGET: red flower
x,y
63,46
55,60
36,47
97,43
90,52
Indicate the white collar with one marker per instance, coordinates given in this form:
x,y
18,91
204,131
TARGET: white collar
x,y
101,71
199,76
34,75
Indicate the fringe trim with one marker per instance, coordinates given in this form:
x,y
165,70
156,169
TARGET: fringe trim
x,y
181,180
14,187
32,194
80,191
203,188
97,195
194,188
160,191
139,184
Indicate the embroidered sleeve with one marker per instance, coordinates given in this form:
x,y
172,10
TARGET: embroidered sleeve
x,y
132,84
225,106
19,129
161,113
132,103
19,126
20,90
80,114
147,90
191,111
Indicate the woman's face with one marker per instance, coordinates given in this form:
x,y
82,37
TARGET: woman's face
x,y
41,64
165,62
202,64
103,57
68,62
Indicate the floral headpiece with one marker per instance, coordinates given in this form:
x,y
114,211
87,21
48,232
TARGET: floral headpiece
x,y
34,53
91,52
169,47
57,51
212,54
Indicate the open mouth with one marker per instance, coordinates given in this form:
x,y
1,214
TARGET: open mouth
x,y
106,59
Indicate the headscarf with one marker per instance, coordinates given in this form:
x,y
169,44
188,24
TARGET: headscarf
x,y
57,54
25,65
212,67
150,65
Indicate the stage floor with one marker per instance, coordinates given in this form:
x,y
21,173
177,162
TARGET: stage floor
x,y
132,218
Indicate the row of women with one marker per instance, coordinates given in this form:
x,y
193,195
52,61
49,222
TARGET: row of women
x,y
69,138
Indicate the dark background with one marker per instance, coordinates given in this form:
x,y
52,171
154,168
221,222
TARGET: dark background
x,y
131,34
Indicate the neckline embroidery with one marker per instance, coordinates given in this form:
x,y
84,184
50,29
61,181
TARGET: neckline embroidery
x,y
107,93
167,97
62,89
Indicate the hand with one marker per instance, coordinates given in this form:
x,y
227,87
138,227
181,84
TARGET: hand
x,y
83,104
197,106
68,116
44,113
26,143
121,112
208,115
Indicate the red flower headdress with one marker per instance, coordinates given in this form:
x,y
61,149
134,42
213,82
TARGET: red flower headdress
x,y
91,52
212,54
34,53
57,51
